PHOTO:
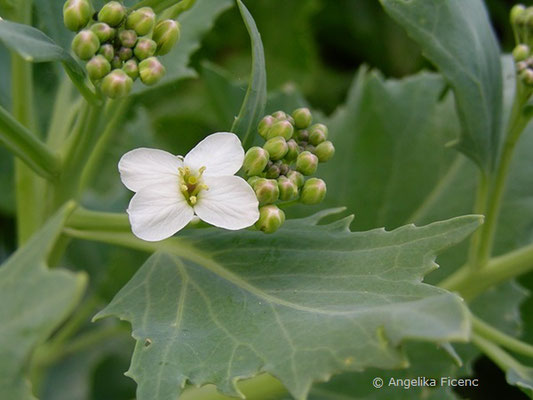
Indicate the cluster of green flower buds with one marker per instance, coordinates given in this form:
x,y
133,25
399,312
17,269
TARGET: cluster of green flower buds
x,y
119,45
277,171
522,24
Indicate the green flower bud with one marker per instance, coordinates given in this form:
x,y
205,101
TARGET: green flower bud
x,y
293,150
76,14
255,161
107,51
302,118
324,151
270,219
281,128
266,190
252,180
273,171
131,68
127,38
318,133
151,71
521,52
310,148
112,13
517,14
166,34
287,188
125,53
116,63
306,163
265,125
313,192
520,66
145,48
116,84
103,31
284,168
297,178
277,148
302,135
98,67
141,21
527,76
280,116
85,44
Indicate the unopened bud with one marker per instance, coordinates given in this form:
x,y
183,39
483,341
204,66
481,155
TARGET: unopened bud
x,y
273,171
292,152
297,178
127,38
252,180
521,52
76,14
310,148
166,34
324,151
284,168
520,66
302,135
517,15
151,71
527,77
280,116
107,51
116,63
255,161
287,188
85,44
306,163
125,53
112,13
141,21
270,219
302,118
98,67
281,128
265,125
313,192
116,84
318,133
131,68
145,48
277,148
266,190
104,32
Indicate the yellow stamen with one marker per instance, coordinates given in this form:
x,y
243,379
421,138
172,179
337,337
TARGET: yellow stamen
x,y
192,200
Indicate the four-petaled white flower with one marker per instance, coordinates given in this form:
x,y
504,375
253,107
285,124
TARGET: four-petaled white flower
x,y
171,189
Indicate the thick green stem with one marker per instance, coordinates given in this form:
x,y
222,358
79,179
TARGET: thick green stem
x,y
488,332
28,185
25,145
472,283
63,114
500,357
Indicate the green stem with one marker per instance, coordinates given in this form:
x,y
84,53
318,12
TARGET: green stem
x,y
116,113
517,122
472,283
488,332
25,145
500,357
261,387
157,5
480,207
181,7
82,315
63,114
286,204
27,184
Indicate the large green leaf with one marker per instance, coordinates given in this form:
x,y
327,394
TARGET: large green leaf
x,y
254,102
33,302
456,36
312,300
34,46
194,24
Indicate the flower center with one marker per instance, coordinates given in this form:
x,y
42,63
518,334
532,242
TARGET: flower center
x,y
191,184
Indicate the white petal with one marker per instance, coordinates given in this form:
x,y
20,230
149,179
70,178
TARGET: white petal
x,y
143,167
229,203
158,211
221,153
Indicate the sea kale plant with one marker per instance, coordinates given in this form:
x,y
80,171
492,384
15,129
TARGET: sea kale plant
x,y
228,250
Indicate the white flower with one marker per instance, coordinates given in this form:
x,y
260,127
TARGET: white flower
x,y
171,189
